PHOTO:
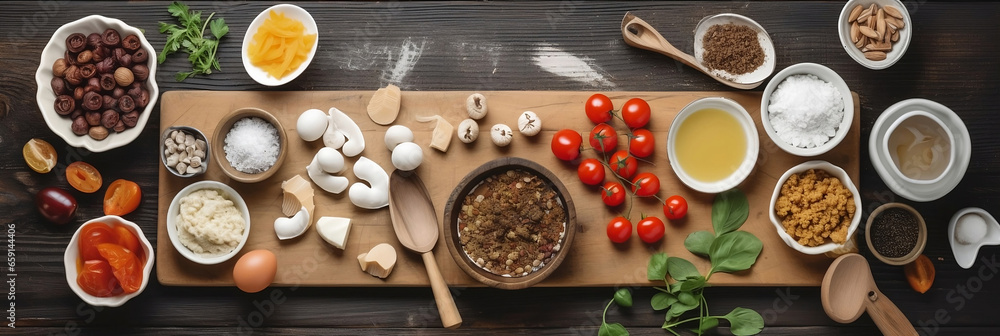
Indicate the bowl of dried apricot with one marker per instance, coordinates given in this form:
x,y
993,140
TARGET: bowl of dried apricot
x,y
509,223
814,207
279,44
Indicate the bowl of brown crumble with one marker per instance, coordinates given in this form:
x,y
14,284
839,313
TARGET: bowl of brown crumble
x,y
814,207
509,223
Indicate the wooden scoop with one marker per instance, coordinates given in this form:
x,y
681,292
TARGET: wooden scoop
x,y
639,34
416,226
849,290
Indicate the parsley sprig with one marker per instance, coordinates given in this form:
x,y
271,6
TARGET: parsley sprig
x,y
190,35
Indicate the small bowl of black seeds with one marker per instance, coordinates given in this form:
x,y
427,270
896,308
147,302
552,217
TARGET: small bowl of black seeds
x,y
896,233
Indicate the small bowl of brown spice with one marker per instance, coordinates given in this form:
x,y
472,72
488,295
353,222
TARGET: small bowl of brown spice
x,y
509,223
896,233
734,46
814,207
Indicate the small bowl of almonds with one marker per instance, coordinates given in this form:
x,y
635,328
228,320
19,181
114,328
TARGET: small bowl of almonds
x,y
184,151
875,33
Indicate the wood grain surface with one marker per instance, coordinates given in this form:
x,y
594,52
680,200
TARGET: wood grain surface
x,y
499,46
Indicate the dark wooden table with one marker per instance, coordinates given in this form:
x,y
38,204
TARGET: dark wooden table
x,y
490,46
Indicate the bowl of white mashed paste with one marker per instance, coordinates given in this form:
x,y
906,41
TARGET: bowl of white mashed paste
x,y
208,222
807,109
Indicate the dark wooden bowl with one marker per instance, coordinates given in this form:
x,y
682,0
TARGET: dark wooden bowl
x,y
219,142
468,185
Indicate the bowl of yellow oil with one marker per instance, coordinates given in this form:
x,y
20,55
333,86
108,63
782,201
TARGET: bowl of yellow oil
x,y
712,144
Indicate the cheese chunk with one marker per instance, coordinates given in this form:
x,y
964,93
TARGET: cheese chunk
x,y
334,230
384,105
379,261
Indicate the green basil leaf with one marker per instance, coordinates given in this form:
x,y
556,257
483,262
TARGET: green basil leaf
x,y
623,297
706,323
661,300
657,268
687,298
743,321
681,269
675,287
692,284
678,309
614,329
729,210
699,242
734,252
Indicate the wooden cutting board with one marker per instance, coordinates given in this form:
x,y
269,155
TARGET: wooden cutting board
x,y
593,259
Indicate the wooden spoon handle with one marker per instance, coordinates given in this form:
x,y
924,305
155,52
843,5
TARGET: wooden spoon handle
x,y
450,317
639,34
889,319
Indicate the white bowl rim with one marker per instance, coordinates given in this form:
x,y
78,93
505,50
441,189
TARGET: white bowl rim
x,y
172,211
833,170
766,43
197,133
750,131
45,97
952,157
899,47
825,74
293,11
966,255
72,253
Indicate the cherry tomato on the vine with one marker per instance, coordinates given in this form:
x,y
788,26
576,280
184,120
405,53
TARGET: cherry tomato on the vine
x,y
650,229
641,145
613,194
645,185
590,171
619,229
122,197
636,113
599,108
603,138
676,207
623,164
566,144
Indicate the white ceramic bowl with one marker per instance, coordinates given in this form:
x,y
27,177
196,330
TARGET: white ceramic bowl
x,y
965,255
73,252
174,210
758,75
197,135
833,171
952,152
55,49
898,47
749,131
294,12
825,74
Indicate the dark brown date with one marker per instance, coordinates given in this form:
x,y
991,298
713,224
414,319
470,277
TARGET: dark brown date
x,y
78,93
108,82
106,66
64,104
109,118
140,56
93,118
92,101
126,104
118,92
120,126
73,75
131,43
110,103
140,71
130,119
80,126
94,41
59,86
93,85
111,38
141,99
85,56
88,70
76,42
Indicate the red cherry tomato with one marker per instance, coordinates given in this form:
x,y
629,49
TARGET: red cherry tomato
x,y
96,278
603,138
591,172
124,264
566,144
623,164
619,229
56,205
636,113
91,236
641,145
83,177
650,229
122,197
676,207
599,108
613,194
645,185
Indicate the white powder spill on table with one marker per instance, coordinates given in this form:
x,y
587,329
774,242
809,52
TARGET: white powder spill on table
x,y
567,65
395,63
252,145
805,111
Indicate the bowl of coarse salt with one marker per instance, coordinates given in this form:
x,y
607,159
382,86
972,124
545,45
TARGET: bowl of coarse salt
x,y
249,145
807,109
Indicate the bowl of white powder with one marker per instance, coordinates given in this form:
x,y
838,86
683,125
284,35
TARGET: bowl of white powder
x,y
249,145
807,109
208,222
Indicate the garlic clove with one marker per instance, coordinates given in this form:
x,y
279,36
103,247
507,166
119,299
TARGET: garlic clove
x,y
193,170
476,106
501,135
468,131
529,124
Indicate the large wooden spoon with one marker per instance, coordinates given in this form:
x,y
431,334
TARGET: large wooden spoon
x,y
416,226
849,290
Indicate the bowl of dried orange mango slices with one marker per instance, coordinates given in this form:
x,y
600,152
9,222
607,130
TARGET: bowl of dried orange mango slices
x,y
279,44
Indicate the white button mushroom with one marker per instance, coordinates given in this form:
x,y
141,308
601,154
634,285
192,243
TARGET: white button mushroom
x,y
501,135
407,156
396,135
312,124
529,124
468,131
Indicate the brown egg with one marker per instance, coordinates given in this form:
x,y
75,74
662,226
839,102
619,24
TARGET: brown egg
x,y
255,270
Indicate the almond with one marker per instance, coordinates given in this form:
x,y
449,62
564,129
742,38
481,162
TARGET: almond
x,y
861,42
868,32
879,46
895,36
855,32
895,22
880,24
893,12
872,9
875,55
855,13
864,17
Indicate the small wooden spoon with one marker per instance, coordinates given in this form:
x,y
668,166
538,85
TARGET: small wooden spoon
x,y
639,34
416,226
849,290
